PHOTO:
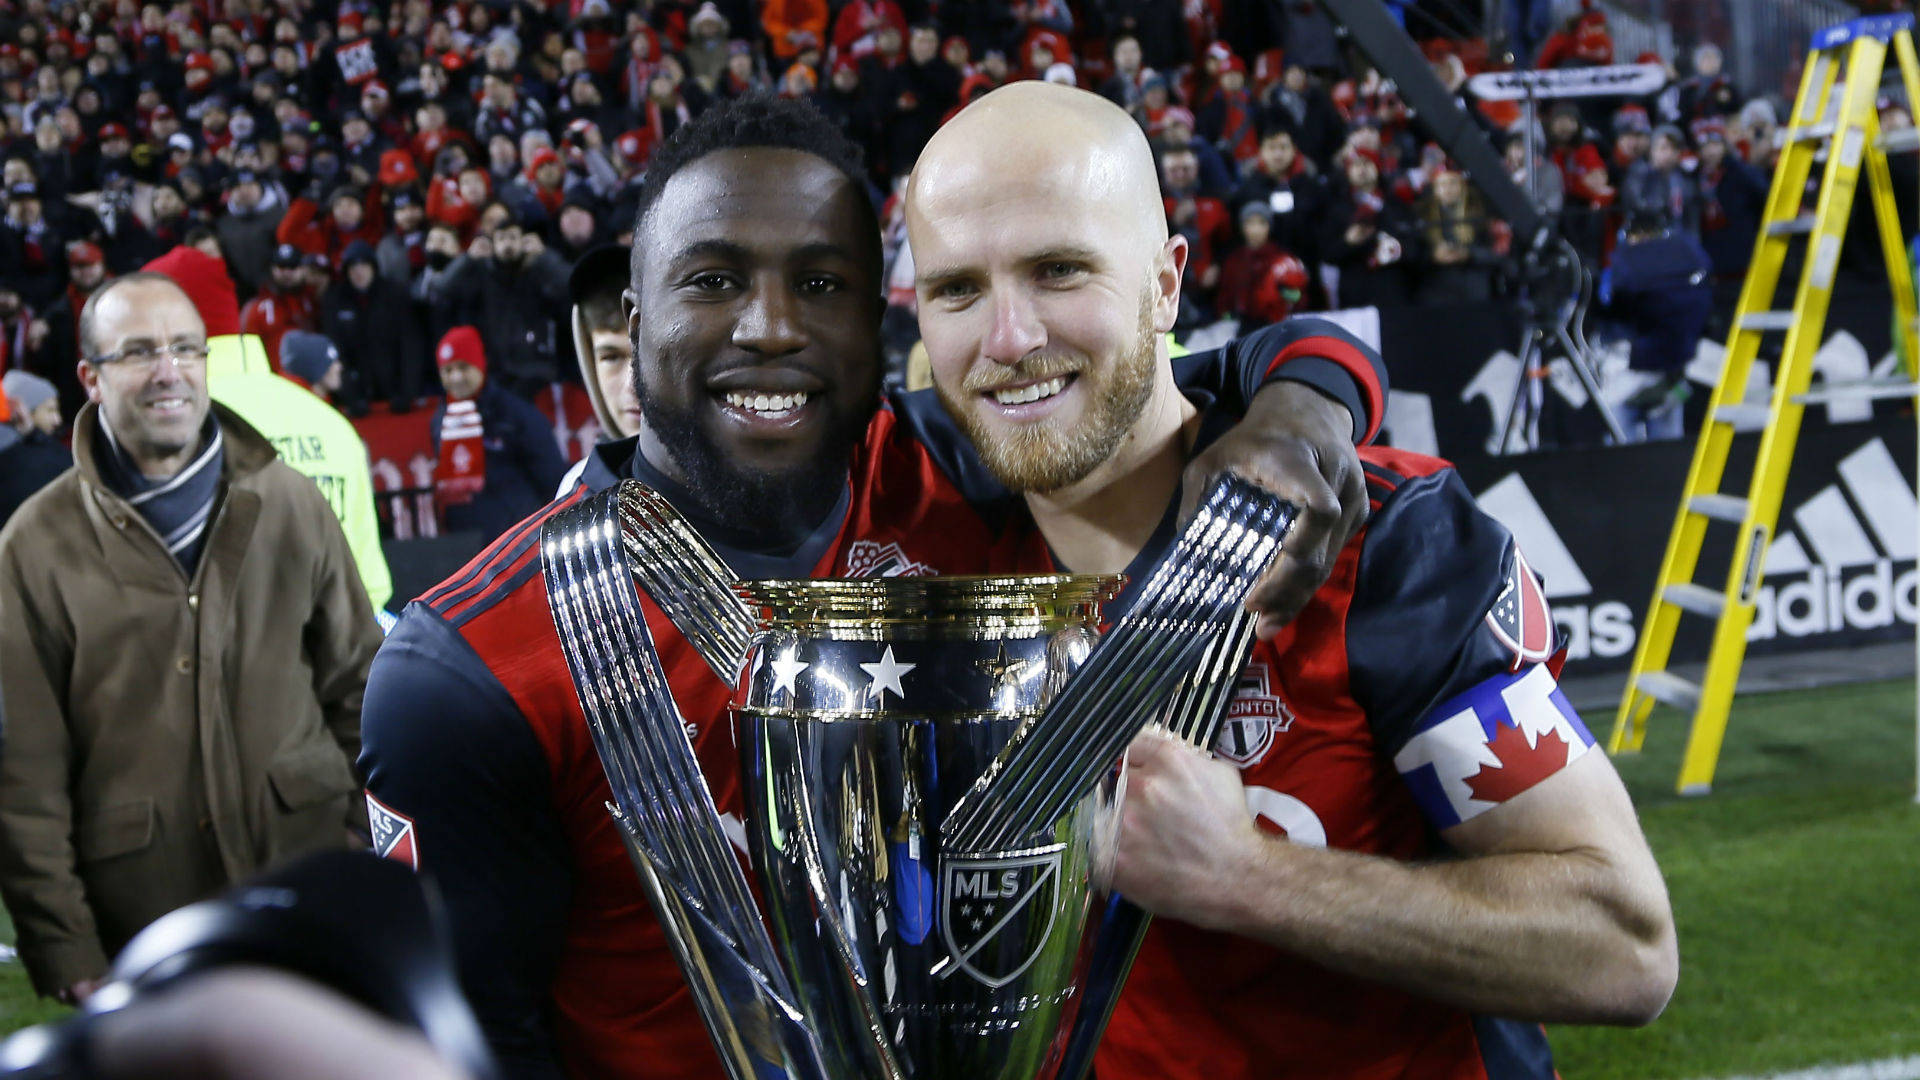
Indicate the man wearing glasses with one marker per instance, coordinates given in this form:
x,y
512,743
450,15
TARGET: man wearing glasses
x,y
183,646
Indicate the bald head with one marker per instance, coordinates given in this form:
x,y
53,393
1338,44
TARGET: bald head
x,y
1048,140
1046,278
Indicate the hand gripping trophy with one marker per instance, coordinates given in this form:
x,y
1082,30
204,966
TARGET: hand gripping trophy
x,y
930,777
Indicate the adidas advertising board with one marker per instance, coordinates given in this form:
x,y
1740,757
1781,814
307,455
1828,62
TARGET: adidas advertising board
x,y
1838,570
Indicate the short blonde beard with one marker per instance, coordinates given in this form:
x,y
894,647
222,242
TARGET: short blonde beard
x,y
1037,459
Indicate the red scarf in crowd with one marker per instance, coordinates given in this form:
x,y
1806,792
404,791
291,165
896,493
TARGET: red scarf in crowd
x,y
462,470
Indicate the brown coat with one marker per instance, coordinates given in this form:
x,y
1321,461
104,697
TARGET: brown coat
x,y
164,736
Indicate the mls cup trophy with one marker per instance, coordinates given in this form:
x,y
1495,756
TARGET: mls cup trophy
x,y
866,711
929,769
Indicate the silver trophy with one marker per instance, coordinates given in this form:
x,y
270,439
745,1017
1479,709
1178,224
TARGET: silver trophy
x,y
928,781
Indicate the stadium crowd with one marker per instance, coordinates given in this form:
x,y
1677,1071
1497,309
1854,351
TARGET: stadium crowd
x,y
380,174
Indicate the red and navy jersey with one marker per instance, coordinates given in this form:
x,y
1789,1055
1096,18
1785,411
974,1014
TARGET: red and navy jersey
x,y
1411,694
481,771
480,766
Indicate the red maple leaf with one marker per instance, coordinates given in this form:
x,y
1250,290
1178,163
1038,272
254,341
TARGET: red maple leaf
x,y
1521,766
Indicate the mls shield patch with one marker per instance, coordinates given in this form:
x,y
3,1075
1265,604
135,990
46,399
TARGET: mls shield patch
x,y
1521,618
997,913
392,833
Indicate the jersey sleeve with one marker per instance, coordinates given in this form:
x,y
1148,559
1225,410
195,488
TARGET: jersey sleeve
x,y
458,785
1449,644
1317,352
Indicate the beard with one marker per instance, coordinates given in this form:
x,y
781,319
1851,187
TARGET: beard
x,y
787,501
1039,458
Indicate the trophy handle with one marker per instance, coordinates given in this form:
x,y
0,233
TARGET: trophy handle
x,y
803,848
758,1033
1196,714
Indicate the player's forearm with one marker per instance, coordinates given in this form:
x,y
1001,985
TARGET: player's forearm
x,y
1566,937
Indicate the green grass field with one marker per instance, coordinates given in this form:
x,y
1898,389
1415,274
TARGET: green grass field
x,y
1796,886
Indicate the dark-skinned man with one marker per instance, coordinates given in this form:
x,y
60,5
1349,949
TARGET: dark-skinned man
x,y
753,313
1406,852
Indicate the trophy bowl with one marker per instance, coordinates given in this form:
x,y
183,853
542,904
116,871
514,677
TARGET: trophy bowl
x,y
864,709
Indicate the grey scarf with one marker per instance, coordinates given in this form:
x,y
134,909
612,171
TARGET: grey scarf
x,y
180,507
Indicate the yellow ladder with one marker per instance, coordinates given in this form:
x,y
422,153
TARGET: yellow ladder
x,y
1834,119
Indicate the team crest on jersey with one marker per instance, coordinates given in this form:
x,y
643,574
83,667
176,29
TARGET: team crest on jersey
x,y
1254,716
1521,618
997,913
392,833
869,558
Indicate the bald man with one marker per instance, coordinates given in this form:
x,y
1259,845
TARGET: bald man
x,y
1404,852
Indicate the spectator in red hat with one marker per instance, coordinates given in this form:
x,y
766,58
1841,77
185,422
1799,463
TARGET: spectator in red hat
x,y
539,191
456,200
1230,120
376,104
1583,42
497,458
856,27
115,154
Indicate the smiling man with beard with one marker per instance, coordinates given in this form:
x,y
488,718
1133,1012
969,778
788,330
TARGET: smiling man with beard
x,y
1405,853
753,314
183,643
